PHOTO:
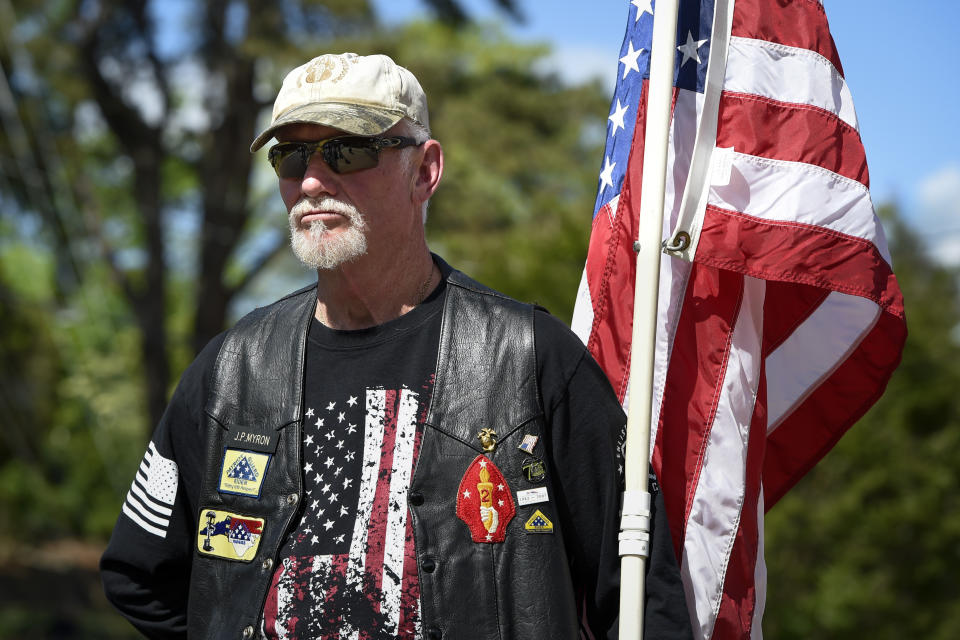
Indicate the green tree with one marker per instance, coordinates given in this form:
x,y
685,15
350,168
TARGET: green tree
x,y
60,374
867,545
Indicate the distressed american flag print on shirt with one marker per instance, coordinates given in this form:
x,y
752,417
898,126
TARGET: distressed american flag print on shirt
x,y
349,568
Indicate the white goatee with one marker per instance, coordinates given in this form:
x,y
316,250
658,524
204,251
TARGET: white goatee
x,y
315,246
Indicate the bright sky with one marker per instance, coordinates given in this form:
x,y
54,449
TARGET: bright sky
x,y
898,71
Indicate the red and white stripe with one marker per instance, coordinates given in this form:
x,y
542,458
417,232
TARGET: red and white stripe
x,y
787,324
399,531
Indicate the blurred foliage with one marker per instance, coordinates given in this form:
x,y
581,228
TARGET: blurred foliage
x,y
72,404
867,545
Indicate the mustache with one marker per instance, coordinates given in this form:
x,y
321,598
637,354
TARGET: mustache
x,y
306,205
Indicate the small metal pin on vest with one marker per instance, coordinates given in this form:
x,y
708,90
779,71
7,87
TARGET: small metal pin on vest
x,y
488,439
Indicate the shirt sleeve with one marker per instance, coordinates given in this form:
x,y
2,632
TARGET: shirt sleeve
x,y
145,569
586,432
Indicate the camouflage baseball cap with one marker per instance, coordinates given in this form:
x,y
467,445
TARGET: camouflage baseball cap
x,y
363,95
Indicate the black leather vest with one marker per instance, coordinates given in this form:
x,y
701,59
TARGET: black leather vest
x,y
486,377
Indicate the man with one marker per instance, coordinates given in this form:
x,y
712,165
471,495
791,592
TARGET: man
x,y
396,451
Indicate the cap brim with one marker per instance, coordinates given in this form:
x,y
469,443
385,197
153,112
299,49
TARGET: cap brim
x,y
359,120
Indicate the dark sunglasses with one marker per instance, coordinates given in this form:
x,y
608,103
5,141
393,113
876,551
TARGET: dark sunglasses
x,y
343,155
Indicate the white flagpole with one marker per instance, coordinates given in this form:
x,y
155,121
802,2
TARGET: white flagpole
x,y
635,521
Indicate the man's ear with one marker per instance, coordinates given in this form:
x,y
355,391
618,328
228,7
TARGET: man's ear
x,y
428,172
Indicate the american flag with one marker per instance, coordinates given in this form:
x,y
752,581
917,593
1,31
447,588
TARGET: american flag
x,y
350,566
784,322
152,493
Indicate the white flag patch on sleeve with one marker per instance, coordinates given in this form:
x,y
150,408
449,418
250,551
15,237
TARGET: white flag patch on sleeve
x,y
152,493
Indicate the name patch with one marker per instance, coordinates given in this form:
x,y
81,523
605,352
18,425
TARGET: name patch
x,y
243,471
251,438
229,535
532,496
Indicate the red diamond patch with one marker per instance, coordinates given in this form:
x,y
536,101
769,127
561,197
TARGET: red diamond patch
x,y
484,501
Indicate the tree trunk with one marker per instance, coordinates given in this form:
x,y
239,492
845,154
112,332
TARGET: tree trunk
x,y
225,171
149,302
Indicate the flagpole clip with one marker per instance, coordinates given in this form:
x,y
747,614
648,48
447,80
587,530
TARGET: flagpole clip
x,y
678,243
635,524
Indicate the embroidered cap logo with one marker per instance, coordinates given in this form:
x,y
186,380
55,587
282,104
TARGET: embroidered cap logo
x,y
326,67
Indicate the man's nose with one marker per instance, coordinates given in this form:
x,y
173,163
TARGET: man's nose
x,y
318,179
